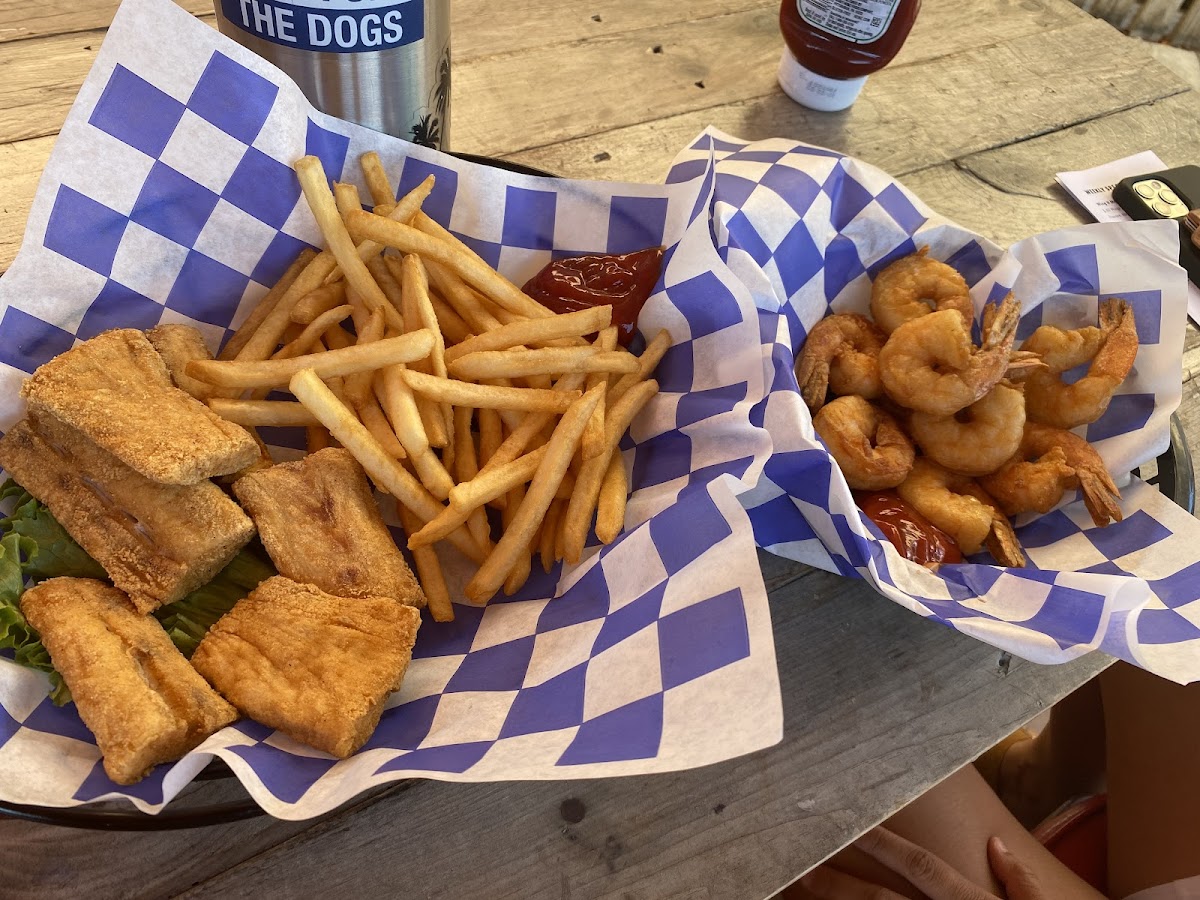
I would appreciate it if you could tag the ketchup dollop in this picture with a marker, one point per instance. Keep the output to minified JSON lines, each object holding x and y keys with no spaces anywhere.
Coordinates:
{"x":909,"y":531}
{"x":579,"y":282}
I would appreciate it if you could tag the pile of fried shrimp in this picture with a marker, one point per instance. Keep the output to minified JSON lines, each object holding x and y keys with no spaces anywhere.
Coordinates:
{"x":966,"y":434}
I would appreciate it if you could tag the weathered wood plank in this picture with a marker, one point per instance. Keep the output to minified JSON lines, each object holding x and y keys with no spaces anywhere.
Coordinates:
{"x":876,"y":702}
{"x":20,"y":168}
{"x":22,"y":19}
{"x":1049,"y":81}
{"x":734,"y":56}
{"x":61,"y":862}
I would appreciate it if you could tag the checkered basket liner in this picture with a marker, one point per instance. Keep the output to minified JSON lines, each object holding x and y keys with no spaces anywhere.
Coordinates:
{"x":170,"y":198}
{"x":806,"y":229}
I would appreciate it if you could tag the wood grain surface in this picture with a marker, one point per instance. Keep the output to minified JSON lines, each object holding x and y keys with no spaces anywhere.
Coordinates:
{"x":987,"y":100}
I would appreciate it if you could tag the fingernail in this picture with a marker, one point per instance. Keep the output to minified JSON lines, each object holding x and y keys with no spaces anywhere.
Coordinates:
{"x":1000,"y":846}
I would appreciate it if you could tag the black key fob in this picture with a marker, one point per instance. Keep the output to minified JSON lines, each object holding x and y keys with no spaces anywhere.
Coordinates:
{"x":1170,"y":194}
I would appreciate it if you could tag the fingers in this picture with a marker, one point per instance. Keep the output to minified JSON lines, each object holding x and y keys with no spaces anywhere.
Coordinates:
{"x":1018,"y":879}
{"x":923,"y":869}
{"x":827,"y":883}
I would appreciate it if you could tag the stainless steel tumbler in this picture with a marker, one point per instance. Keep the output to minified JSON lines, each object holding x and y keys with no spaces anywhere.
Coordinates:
{"x":384,"y":64}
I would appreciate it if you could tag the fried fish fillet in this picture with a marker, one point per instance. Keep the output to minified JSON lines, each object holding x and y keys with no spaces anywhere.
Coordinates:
{"x":133,"y":689}
{"x":158,"y":542}
{"x":116,"y":390}
{"x":318,"y":520}
{"x":178,"y":345}
{"x":314,"y":666}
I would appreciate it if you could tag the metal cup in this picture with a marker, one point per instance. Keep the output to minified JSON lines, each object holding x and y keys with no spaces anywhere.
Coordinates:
{"x":384,"y":64}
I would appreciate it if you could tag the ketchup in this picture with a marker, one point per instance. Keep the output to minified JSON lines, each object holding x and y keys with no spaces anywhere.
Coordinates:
{"x":910,"y":532}
{"x":833,"y":45}
{"x":579,"y":282}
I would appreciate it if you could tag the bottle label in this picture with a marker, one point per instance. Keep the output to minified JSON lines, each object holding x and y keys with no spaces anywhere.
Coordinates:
{"x":857,"y":21}
{"x":333,"y":26}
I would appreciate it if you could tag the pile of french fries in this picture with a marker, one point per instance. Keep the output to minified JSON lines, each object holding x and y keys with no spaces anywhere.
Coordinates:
{"x":455,"y":391}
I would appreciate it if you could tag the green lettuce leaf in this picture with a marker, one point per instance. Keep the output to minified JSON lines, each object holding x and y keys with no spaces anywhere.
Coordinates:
{"x":16,"y":634}
{"x":53,"y":552}
{"x":188,"y":620}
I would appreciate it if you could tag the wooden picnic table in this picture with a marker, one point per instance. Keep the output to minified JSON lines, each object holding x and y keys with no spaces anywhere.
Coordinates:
{"x":987,"y":100}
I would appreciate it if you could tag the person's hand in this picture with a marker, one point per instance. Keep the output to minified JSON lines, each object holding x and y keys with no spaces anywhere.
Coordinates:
{"x":930,"y":874}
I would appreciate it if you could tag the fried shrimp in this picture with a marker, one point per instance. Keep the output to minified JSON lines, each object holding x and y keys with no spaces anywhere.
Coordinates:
{"x":930,"y":364}
{"x":869,"y":445}
{"x":962,"y":509}
{"x":842,"y":352}
{"x":1048,"y":463}
{"x":1111,"y":348}
{"x":977,"y":439}
{"x":916,"y":286}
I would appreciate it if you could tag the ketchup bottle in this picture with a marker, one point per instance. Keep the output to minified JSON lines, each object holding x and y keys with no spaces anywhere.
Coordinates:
{"x":833,"y":45}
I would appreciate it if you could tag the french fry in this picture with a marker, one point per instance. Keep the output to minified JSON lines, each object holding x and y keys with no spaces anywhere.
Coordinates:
{"x":491,"y":435}
{"x":549,"y":530}
{"x":344,"y":361}
{"x":280,"y":413}
{"x":314,"y":303}
{"x":535,"y":331}
{"x":385,"y":471}
{"x":587,"y":485}
{"x":529,"y":428}
{"x":415,"y":287}
{"x":519,"y":573}
{"x":593,"y":436}
{"x":518,"y":363}
{"x":260,"y":312}
{"x":266,"y":337}
{"x":358,"y":385}
{"x":429,"y":572}
{"x":610,"y":509}
{"x":453,"y":254}
{"x":451,"y":323}
{"x":346,"y":197}
{"x":466,"y":467}
{"x":316,"y":437}
{"x":377,"y":181}
{"x":383,"y":276}
{"x":337,"y":338}
{"x":309,"y":335}
{"x":472,"y":495}
{"x":402,"y":411}
{"x":647,"y":363}
{"x":403,"y":211}
{"x":461,"y":298}
{"x":525,"y":521}
{"x":460,"y":393}
{"x":311,"y":173}
{"x":376,"y":422}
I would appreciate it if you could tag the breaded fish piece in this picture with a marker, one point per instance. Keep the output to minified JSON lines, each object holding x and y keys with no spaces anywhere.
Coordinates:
{"x":134,"y":690}
{"x":320,"y":525}
{"x":178,"y":345}
{"x":314,"y":666}
{"x":158,"y":542}
{"x":116,"y":390}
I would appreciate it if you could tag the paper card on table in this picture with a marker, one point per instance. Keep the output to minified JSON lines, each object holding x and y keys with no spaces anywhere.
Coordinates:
{"x":806,"y":229}
{"x":170,"y":198}
{"x":1092,"y":189}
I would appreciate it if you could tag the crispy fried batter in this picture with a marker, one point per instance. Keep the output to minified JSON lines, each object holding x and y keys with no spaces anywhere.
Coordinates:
{"x":317,"y":667}
{"x":132,"y":687}
{"x":320,"y":525}
{"x":178,"y":345}
{"x":116,"y":390}
{"x":156,"y":541}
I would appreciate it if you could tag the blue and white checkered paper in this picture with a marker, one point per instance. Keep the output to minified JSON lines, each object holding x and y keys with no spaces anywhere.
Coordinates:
{"x":170,"y":198}
{"x":806,"y":229}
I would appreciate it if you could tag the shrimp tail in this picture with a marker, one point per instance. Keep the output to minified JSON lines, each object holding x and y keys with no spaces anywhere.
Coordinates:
{"x":1000,"y":324}
{"x":1002,"y":543}
{"x":812,"y":374}
{"x":1022,"y":362}
{"x":1100,"y":496}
